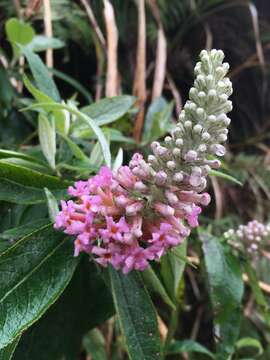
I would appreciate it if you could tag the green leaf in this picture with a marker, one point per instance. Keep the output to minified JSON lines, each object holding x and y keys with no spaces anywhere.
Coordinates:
{"x":84,"y":304}
{"x":61,"y":118}
{"x":26,"y":164}
{"x":157,"y":119}
{"x":152,"y":280}
{"x":188,"y":346}
{"x":118,"y":161}
{"x":172,"y":268}
{"x":47,"y":138}
{"x":31,"y":178}
{"x":17,"y":193}
{"x":225,"y":176}
{"x":42,"y":43}
{"x":14,"y":154}
{"x":44,"y":267}
{"x":41,"y":74}
{"x":98,"y":132}
{"x":226,"y":291}
{"x":256,"y":290}
{"x":18,"y":32}
{"x":52,"y":205}
{"x":249,"y":342}
{"x":108,"y":110}
{"x":96,"y":158}
{"x":75,"y":149}
{"x":94,"y":344}
{"x":23,"y":230}
{"x":7,"y":352}
{"x":137,"y":316}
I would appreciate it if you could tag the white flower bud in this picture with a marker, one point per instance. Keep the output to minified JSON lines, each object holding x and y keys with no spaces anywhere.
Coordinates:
{"x":179,"y":142}
{"x":206,"y":136}
{"x":197,"y":129}
{"x":168,"y":139}
{"x":191,"y":155}
{"x":188,"y":124}
{"x":171,"y":165}
{"x":178,"y":177}
{"x":202,"y":148}
{"x":176,"y":152}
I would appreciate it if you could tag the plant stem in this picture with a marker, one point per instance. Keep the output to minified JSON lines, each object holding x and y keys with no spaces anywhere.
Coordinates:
{"x":171,"y":330}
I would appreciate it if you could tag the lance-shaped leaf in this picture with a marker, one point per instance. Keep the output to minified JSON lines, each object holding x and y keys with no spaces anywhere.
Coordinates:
{"x":33,"y":274}
{"x":137,"y":316}
{"x":47,"y":137}
{"x":7,"y":352}
{"x":85,"y":303}
{"x":41,"y":74}
{"x":226,"y":291}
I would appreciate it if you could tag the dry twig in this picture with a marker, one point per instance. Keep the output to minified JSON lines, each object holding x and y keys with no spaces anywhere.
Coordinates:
{"x":139,"y":88}
{"x":48,"y":30}
{"x":112,"y":85}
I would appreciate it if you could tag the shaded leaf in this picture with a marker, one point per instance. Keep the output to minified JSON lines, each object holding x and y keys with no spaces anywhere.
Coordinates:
{"x":17,"y":193}
{"x":188,"y":346}
{"x":108,"y":110}
{"x":7,"y":352}
{"x":44,"y":266}
{"x":85,"y":303}
{"x":137,"y":316}
{"x":94,"y":344}
{"x":226,"y":291}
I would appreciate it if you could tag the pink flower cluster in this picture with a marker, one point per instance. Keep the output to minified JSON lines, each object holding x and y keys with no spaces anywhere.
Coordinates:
{"x":114,"y":218}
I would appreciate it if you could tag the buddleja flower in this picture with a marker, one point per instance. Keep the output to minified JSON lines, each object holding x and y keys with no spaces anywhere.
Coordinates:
{"x":138,"y":213}
{"x":250,"y":238}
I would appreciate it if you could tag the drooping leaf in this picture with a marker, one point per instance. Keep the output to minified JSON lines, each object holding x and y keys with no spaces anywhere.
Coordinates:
{"x":42,"y":43}
{"x":7,"y":352}
{"x":85,"y":303}
{"x":47,"y":138}
{"x":41,"y":74}
{"x":249,"y":342}
{"x":33,"y":274}
{"x":108,"y":110}
{"x":137,"y":316}
{"x":189,"y":346}
{"x":225,"y":176}
{"x":61,"y":116}
{"x":226,"y":291}
{"x":92,"y":125}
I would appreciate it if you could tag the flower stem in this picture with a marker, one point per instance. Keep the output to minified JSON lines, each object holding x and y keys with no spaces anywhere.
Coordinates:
{"x":171,"y":330}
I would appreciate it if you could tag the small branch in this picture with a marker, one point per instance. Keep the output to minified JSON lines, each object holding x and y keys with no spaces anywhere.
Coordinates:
{"x":94,"y":24}
{"x":160,"y":68}
{"x":139,"y":88}
{"x":161,"y":53}
{"x":112,"y":85}
{"x":175,"y":93}
{"x":48,"y":30}
{"x":33,"y":7}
